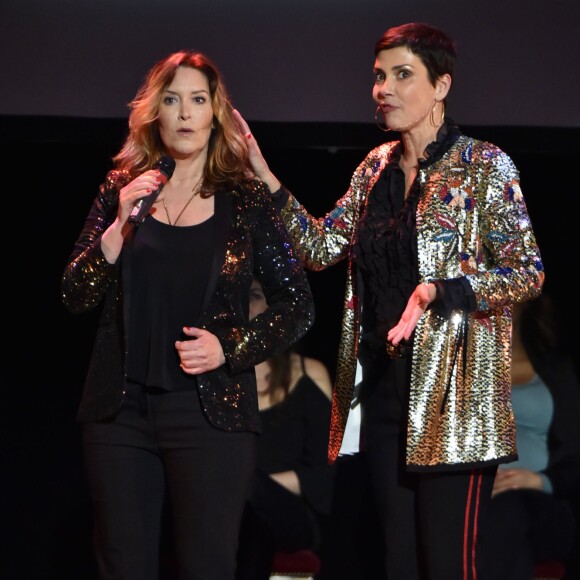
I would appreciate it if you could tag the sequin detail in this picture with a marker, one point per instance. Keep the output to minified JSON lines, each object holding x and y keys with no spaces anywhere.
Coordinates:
{"x":472,"y":222}
{"x":251,"y":240}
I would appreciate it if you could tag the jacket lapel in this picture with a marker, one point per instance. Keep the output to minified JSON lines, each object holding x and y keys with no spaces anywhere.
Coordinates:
{"x":223,"y":211}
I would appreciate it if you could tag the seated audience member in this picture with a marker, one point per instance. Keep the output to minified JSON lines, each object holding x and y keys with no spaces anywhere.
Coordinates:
{"x":291,"y":491}
{"x":530,"y":519}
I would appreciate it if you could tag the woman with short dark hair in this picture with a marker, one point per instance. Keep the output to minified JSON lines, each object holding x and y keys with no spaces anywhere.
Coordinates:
{"x":439,"y":247}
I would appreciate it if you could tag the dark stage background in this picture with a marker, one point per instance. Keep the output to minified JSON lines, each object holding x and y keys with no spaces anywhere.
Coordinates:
{"x":289,"y":60}
{"x":50,"y":179}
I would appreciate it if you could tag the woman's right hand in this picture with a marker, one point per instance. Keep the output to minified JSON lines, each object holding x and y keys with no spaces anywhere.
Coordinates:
{"x":141,"y":186}
{"x":421,"y":297}
{"x":259,"y":164}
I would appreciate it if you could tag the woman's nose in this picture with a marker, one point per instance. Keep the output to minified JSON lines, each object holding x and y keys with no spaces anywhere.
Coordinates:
{"x":385,"y":88}
{"x":184,"y":114}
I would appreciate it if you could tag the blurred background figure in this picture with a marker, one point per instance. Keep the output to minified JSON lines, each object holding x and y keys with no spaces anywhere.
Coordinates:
{"x":530,"y":518}
{"x":291,"y":490}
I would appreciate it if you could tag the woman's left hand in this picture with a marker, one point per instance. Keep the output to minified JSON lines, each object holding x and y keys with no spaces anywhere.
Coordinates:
{"x":201,"y":354}
{"x":422,"y":296}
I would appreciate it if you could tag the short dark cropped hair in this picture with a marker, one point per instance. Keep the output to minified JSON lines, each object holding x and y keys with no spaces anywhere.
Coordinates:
{"x":435,"y":48}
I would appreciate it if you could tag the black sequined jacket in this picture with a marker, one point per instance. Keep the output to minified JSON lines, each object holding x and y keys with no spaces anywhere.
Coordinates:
{"x":250,"y":240}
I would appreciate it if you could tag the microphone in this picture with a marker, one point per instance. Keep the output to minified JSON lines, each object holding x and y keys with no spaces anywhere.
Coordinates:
{"x":166,"y":166}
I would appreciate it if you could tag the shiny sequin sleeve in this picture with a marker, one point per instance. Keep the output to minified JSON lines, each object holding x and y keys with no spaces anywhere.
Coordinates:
{"x":87,"y":275}
{"x":507,"y":242}
{"x":290,"y":312}
{"x":474,"y":207}
{"x":325,"y":241}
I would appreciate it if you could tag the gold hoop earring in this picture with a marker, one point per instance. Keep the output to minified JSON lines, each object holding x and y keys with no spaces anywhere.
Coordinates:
{"x":382,"y":126}
{"x":432,"y":115}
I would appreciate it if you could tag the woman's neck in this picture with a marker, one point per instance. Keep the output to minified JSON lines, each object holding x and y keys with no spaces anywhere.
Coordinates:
{"x":265,"y":395}
{"x":263,"y":377}
{"x":415,"y":143}
{"x":268,"y":397}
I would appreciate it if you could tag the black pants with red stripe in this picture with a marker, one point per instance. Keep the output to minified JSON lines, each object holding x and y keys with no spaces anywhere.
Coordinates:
{"x":430,"y":521}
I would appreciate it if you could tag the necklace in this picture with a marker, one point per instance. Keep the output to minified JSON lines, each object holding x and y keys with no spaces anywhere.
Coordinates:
{"x":196,"y":189}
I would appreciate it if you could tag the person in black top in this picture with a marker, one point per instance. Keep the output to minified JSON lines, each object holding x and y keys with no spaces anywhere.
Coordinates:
{"x":291,"y":490}
{"x":170,"y":406}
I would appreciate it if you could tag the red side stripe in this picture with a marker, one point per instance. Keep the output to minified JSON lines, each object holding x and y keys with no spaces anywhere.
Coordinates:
{"x":475,"y":522}
{"x":466,"y":528}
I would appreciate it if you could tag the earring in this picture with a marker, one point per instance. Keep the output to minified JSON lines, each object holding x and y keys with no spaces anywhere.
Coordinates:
{"x":432,"y":115}
{"x":380,"y":125}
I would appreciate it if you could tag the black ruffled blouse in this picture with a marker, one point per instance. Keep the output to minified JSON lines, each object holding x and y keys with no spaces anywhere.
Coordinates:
{"x":386,"y":251}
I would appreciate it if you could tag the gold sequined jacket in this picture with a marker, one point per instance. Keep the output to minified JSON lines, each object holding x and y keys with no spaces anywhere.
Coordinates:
{"x":472,"y":222}
{"x":250,"y":239}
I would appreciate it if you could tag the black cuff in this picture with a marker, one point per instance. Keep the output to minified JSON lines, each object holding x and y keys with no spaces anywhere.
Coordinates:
{"x":276,"y":194}
{"x":280,"y":198}
{"x":454,"y":294}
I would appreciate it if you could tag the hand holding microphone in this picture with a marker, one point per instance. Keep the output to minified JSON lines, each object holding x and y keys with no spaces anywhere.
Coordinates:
{"x":166,"y":165}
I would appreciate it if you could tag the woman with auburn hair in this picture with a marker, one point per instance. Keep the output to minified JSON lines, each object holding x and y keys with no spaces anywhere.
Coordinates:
{"x":168,"y":252}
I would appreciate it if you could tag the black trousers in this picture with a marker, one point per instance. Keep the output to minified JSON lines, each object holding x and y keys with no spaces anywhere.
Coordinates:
{"x":431,"y":521}
{"x":524,"y":527}
{"x":161,"y":446}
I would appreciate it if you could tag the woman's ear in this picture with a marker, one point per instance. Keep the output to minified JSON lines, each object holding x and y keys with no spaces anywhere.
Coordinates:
{"x":442,"y":86}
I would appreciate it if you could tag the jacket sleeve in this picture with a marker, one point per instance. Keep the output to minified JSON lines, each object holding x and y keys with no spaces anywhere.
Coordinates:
{"x":510,"y":268}
{"x":87,"y":274}
{"x":290,"y":312}
{"x":322,"y":242}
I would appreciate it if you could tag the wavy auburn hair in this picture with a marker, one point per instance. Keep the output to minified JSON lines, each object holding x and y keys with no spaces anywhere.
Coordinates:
{"x":227,"y":159}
